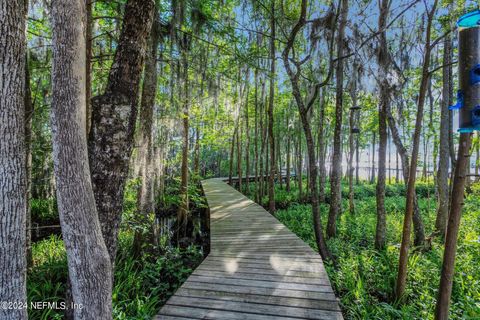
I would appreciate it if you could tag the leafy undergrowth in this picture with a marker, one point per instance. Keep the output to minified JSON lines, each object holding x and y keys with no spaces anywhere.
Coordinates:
{"x":141,"y":285}
{"x":364,"y":279}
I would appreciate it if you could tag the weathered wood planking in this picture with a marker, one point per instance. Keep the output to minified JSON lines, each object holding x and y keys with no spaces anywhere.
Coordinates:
{"x":257,"y":269}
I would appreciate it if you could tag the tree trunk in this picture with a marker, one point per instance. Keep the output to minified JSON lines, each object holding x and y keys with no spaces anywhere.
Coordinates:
{"x":13,"y":199}
{"x":312,"y":167}
{"x":336,"y":175}
{"x":444,"y":155}
{"x":271,"y":137}
{"x":448,"y":266}
{"x":114,"y":115}
{"x":411,"y":196}
{"x":287,"y":177}
{"x":383,"y":62}
{"x":257,"y":182}
{"x":183,"y":210}
{"x":89,"y":263}
{"x":419,"y":229}
{"x":351,"y":139}
{"x":146,"y":205}
{"x":321,"y":147}
{"x":262,"y":146}
{"x":299,"y":167}
{"x":239,"y":155}
{"x":373,"y":172}
{"x":247,"y":135}
{"x":88,"y":63}
{"x":232,"y":150}
{"x":29,"y":107}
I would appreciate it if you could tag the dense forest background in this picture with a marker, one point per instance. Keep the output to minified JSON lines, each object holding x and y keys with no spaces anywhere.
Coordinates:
{"x":338,"y":111}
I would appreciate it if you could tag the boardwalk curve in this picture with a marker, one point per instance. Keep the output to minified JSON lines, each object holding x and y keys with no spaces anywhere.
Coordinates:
{"x":257,"y":269}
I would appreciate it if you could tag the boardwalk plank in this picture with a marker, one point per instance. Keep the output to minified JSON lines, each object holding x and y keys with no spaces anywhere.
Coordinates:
{"x":257,"y":269}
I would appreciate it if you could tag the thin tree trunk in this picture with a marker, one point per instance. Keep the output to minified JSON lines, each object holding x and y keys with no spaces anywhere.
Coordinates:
{"x":183,"y":210}
{"x":357,"y":160}
{"x":456,"y":205}
{"x":239,"y":156}
{"x":411,"y":196}
{"x":232,"y":150}
{"x":247,"y":135}
{"x":299,"y":167}
{"x":351,"y":140}
{"x":262,"y":146}
{"x":287,"y":178}
{"x":89,"y":265}
{"x":257,"y":182}
{"x":13,"y":192}
{"x":419,"y":229}
{"x":383,"y":61}
{"x":29,"y":107}
{"x":373,"y":172}
{"x":114,"y":115}
{"x":336,"y":175}
{"x":271,"y":137}
{"x":321,"y":147}
{"x":305,"y":119}
{"x":444,"y":155}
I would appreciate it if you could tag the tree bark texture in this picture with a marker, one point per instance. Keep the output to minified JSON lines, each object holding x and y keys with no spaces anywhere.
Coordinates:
{"x":114,"y":114}
{"x":13,"y":200}
{"x":444,"y":154}
{"x":89,"y":264}
{"x":146,"y":203}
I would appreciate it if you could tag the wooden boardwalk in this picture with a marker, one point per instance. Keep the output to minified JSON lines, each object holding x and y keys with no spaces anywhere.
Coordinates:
{"x":257,"y":269}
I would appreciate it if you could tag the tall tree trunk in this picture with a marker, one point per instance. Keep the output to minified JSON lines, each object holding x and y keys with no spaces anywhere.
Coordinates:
{"x":114,"y":115}
{"x":239,"y":155}
{"x":397,"y":167}
{"x":444,"y":155}
{"x":232,"y":150}
{"x":357,"y":160}
{"x":374,"y":170}
{"x":29,"y":107}
{"x":196,"y":153}
{"x":299,"y":167}
{"x":448,"y":266}
{"x":146,"y":205}
{"x":247,"y":134}
{"x":88,"y":63}
{"x":289,"y":139}
{"x":419,"y":229}
{"x":403,"y":260}
{"x":183,"y":210}
{"x":257,"y":181}
{"x":262,"y":145}
{"x":336,"y":175}
{"x":351,"y":139}
{"x":303,"y":110}
{"x":89,"y":265}
{"x":383,"y":62}
{"x":13,"y":200}
{"x":321,"y":146}
{"x":271,"y":137}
